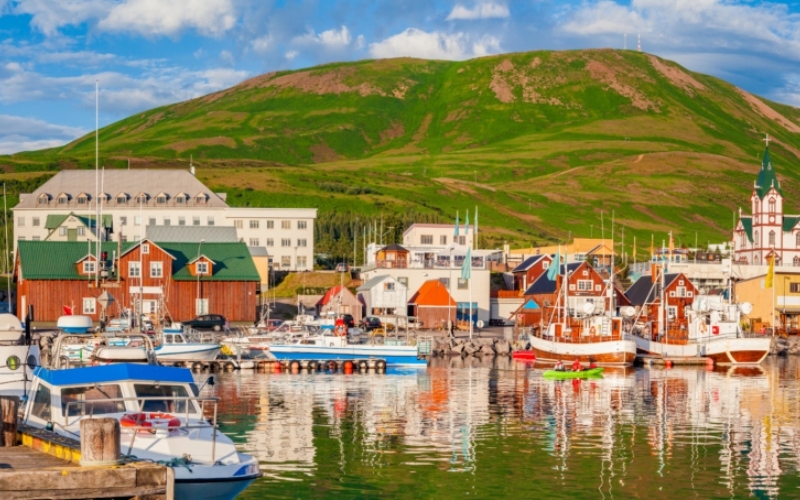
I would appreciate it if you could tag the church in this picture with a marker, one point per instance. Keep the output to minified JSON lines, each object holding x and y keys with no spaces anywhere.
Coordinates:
{"x":768,"y":231}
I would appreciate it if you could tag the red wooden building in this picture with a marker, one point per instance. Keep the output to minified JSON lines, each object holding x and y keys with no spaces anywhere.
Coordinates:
{"x":163,"y":280}
{"x":530,"y":270}
{"x":678,"y":290}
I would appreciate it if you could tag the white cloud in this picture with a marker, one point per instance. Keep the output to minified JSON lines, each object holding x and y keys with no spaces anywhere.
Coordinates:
{"x":18,"y":133}
{"x":159,"y":17}
{"x":262,"y":44}
{"x":331,"y":39}
{"x":482,"y":10}
{"x":434,"y":45}
{"x":226,"y":57}
{"x":48,"y":16}
{"x":291,"y":54}
{"x":199,"y":53}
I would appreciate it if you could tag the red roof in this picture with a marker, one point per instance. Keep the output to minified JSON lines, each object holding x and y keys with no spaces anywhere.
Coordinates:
{"x":433,"y":293}
{"x":330,"y":294}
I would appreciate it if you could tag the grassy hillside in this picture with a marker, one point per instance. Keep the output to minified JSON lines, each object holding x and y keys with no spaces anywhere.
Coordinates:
{"x":542,"y":142}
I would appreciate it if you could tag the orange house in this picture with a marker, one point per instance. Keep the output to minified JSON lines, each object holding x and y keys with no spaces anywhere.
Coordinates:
{"x":433,"y":305}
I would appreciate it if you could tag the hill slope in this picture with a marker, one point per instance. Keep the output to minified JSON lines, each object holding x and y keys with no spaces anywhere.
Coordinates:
{"x":541,"y":141}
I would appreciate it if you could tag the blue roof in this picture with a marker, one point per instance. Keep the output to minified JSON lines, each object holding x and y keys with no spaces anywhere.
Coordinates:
{"x":528,"y":263}
{"x":115,"y":373}
{"x":545,"y":285}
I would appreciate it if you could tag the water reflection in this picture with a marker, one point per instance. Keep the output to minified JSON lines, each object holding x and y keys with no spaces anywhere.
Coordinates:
{"x":496,"y":428}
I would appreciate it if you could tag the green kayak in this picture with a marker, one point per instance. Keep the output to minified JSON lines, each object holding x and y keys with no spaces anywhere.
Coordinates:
{"x":556,"y":375}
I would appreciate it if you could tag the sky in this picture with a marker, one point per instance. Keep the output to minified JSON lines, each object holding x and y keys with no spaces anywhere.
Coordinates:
{"x":147,"y":53}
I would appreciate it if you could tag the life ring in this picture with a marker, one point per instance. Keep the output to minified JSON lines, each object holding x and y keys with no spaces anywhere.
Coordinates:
{"x":592,"y":331}
{"x":340,"y":330}
{"x":149,"y":420}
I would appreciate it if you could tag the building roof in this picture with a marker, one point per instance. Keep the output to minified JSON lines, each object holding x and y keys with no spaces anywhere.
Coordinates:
{"x":642,"y":292}
{"x":543,"y":284}
{"x":789,"y":222}
{"x":766,"y":177}
{"x":54,"y":221}
{"x":432,"y":226}
{"x":747,"y":224}
{"x":192,"y":234}
{"x":372,"y":282}
{"x":333,"y":292}
{"x":528,"y":263}
{"x":258,"y":251}
{"x":394,"y":247}
{"x":578,"y":246}
{"x":118,"y":372}
{"x":129,"y":182}
{"x":51,"y":260}
{"x":433,"y":293}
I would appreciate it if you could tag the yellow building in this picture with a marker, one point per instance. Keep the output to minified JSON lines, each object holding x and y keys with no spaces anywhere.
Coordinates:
{"x":786,"y":301}
{"x":595,"y":250}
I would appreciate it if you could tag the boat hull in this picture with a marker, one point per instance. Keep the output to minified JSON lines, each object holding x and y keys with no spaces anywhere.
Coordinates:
{"x":187,"y":352}
{"x":217,"y":482}
{"x":17,"y":382}
{"x":730,"y":351}
{"x":394,"y":355}
{"x":608,"y":353}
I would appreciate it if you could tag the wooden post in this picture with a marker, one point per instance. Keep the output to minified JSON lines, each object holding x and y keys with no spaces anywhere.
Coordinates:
{"x":9,"y":407}
{"x":100,"y":441}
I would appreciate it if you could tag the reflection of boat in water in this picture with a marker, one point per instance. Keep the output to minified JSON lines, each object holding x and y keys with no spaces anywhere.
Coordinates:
{"x":567,"y":374}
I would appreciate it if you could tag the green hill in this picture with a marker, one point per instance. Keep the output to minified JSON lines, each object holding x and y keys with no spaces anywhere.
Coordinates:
{"x":542,"y":142}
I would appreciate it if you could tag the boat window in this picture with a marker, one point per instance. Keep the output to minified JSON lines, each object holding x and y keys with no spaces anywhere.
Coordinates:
{"x":168,"y":339}
{"x":98,"y":395}
{"x":178,"y":339}
{"x":41,"y":403}
{"x":166,"y":392}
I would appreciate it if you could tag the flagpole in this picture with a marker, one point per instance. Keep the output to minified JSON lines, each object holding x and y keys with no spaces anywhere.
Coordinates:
{"x":470,"y":300}
{"x":772,"y":282}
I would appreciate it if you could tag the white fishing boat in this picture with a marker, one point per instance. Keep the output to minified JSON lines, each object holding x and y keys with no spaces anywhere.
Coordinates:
{"x":18,"y":358}
{"x":162,"y":418}
{"x":326,"y":346}
{"x":176,"y":346}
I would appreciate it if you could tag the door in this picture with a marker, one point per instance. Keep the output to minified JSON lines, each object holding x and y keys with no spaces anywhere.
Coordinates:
{"x":72,"y":234}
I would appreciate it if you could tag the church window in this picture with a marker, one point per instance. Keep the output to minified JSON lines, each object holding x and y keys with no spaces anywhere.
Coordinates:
{"x":796,"y":262}
{"x":743,"y":239}
{"x":772,"y":205}
{"x":756,"y":240}
{"x":772,"y":237}
{"x":797,"y":239}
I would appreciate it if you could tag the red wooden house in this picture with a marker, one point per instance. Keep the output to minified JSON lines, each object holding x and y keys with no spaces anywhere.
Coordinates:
{"x":163,"y":280}
{"x":530,"y":270}
{"x":678,"y":290}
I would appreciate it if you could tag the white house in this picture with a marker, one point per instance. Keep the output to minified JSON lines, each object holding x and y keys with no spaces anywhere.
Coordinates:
{"x":768,"y":231}
{"x":384,"y":295}
{"x":437,"y":235}
{"x":66,"y":208}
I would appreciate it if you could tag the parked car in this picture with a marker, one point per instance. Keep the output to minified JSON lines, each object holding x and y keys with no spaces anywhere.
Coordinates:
{"x":207,"y":322}
{"x":342,"y":267}
{"x":349,"y":320}
{"x":370,"y":323}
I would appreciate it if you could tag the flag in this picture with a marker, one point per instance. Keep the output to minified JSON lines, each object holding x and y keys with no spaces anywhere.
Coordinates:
{"x":466,"y":266}
{"x":770,"y":274}
{"x":67,"y":310}
{"x":466,"y":225}
{"x":552,"y":271}
{"x":456,"y":234}
{"x":634,"y":249}
{"x":652,"y":245}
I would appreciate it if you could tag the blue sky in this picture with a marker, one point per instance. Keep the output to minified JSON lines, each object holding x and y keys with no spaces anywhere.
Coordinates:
{"x":147,"y":53}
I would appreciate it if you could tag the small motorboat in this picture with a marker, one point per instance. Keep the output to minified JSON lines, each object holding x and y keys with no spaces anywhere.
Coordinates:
{"x":176,"y":346}
{"x":565,"y":375}
{"x":524,"y":355}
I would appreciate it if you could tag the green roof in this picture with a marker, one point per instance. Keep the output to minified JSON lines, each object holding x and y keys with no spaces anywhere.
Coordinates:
{"x":56,"y":259}
{"x":789,"y":221}
{"x":747,"y":223}
{"x":767,"y":178}
{"x":55,"y":220}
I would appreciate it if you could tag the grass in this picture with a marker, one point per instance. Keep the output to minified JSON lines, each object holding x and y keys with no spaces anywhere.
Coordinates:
{"x":289,"y":286}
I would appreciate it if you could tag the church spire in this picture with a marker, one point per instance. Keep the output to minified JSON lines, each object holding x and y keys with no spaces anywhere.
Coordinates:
{"x":767,"y":178}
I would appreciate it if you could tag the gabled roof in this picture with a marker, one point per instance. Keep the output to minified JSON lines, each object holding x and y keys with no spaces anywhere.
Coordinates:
{"x":136,"y":244}
{"x":766,"y":177}
{"x":201,"y":257}
{"x":433,"y":293}
{"x":789,"y":222}
{"x":394,"y":247}
{"x":747,"y":224}
{"x":331,"y":293}
{"x":54,"y":221}
{"x":192,"y":234}
{"x":372,"y":282}
{"x":642,"y":291}
{"x":528,"y":263}
{"x":543,"y":284}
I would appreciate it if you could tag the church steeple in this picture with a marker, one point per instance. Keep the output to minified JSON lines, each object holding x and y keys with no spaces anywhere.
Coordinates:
{"x":767,"y":178}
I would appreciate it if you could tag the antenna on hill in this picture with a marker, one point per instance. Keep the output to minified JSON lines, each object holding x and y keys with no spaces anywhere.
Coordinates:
{"x":625,"y":41}
{"x":639,"y":42}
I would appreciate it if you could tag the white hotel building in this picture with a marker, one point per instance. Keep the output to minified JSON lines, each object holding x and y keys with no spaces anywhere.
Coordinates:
{"x":64,"y":208}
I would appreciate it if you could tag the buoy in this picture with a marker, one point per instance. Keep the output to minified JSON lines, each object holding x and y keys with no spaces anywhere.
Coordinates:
{"x":197,"y":366}
{"x":362,"y":365}
{"x":347,"y":367}
{"x":312,"y":366}
{"x":230,"y":366}
{"x":668,"y":363}
{"x":333,"y":366}
{"x":710,"y":364}
{"x":294,"y":366}
{"x":380,"y":365}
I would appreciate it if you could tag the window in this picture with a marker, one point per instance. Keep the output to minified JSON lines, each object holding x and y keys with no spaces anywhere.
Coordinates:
{"x":545,"y":265}
{"x":270,"y":224}
{"x":201,"y":306}
{"x":598,"y":288}
{"x":301,"y":224}
{"x":286,"y":242}
{"x":200,"y":199}
{"x":21,"y":223}
{"x":195,"y":221}
{"x":161,"y":199}
{"x":254,"y":242}
{"x":43,"y":199}
{"x":796,"y":261}
{"x":156,"y":270}
{"x":123,"y":221}
{"x":403,"y":281}
{"x":302,"y":261}
{"x":62,"y":231}
{"x":585,"y":285}
{"x":137,"y":221}
{"x":426,"y":239}
{"x":167,"y":221}
{"x":202,"y":267}
{"x":81,"y":231}
{"x":388,"y":286}
{"x":772,"y":237}
{"x":165,"y":398}
{"x":443,"y":281}
{"x":238,"y":224}
{"x":286,"y":261}
{"x":88,"y":305}
{"x":145,"y":248}
{"x":270,"y":242}
{"x":35,"y":222}
{"x":794,"y":287}
{"x":181,"y":221}
{"x":772,"y":205}
{"x":672,"y":293}
{"x":443,"y":240}
{"x":82,"y":199}
{"x":63,"y":200}
{"x":743,"y":239}
{"x":211,"y":221}
{"x":286,"y":224}
{"x":302,"y":243}
{"x":797,"y":239}
{"x":463,"y":284}
{"x":462,"y":240}
{"x":151,"y":221}
{"x":134,"y":269}
{"x":88,"y":267}
{"x":672,"y":311}
{"x":253,"y":224}
{"x":681,"y":291}
{"x":122,"y":200}
{"x":98,"y":397}
{"x":180,"y":199}
{"x":41,"y":403}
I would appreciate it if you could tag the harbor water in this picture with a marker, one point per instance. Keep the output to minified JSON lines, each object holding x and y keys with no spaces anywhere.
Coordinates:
{"x":496,"y":429}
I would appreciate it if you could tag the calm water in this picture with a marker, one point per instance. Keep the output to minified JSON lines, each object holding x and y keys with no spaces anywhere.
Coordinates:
{"x":498,"y":430}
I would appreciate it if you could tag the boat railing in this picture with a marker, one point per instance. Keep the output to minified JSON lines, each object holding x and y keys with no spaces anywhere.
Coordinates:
{"x":201,"y":423}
